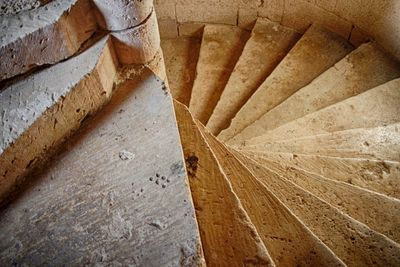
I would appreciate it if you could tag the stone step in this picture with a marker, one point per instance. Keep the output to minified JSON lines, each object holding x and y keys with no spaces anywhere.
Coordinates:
{"x":316,"y":51}
{"x":377,"y":211}
{"x":374,"y":143}
{"x":267,"y":46}
{"x":44,"y":35}
{"x":40,"y":111}
{"x":375,"y":175}
{"x":181,"y":55}
{"x":220,"y":49}
{"x":227,"y":234}
{"x":117,"y":195}
{"x":353,"y":242}
{"x":288,"y":240}
{"x":377,"y":107}
{"x":363,"y":69}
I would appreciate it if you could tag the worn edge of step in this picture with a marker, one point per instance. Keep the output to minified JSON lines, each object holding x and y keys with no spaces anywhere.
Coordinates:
{"x":220,"y":49}
{"x":379,"y":212}
{"x":228,"y":239}
{"x":44,"y":35}
{"x":363,"y":69}
{"x":268,"y":44}
{"x":316,"y":51}
{"x":287,"y":239}
{"x":58,"y":98}
{"x":352,"y":241}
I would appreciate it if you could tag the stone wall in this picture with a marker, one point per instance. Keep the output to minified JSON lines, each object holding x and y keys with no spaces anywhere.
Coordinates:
{"x":356,"y":20}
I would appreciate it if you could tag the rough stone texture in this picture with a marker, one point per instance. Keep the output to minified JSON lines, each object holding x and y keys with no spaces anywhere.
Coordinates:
{"x":120,"y":15}
{"x":376,"y":175}
{"x":363,"y":69}
{"x":44,"y":35}
{"x":379,"y":212}
{"x":316,"y":51}
{"x":228,"y":236}
{"x":376,"y":107}
{"x":353,"y":242}
{"x":381,"y":143}
{"x":138,"y":45}
{"x":37,"y":113}
{"x":11,"y":7}
{"x":181,"y":55}
{"x":220,"y":49}
{"x":95,"y":206}
{"x":268,"y":45}
{"x":288,"y":240}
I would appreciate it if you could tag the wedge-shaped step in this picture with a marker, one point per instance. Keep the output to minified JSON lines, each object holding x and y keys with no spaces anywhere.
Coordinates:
{"x":353,"y":242}
{"x":289,"y":241}
{"x":373,"y":143}
{"x":44,"y":35}
{"x":377,"y":211}
{"x":376,"y":107}
{"x":37,"y":113}
{"x":118,"y":195}
{"x":220,"y":49}
{"x":267,"y":46}
{"x":376,"y":175}
{"x":313,"y":54}
{"x":181,"y":55}
{"x":229,"y":238}
{"x":363,"y":69}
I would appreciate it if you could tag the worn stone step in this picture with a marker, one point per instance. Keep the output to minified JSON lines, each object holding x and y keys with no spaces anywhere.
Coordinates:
{"x":287,"y":239}
{"x":181,"y":55}
{"x":363,"y":69}
{"x":374,"y":143}
{"x":220,"y":49}
{"x":377,"y":107}
{"x":267,"y":46}
{"x":39,"y":112}
{"x":375,"y":175}
{"x":316,"y":51}
{"x":229,"y":237}
{"x":353,"y":242}
{"x":117,"y":195}
{"x":377,"y":211}
{"x":44,"y":35}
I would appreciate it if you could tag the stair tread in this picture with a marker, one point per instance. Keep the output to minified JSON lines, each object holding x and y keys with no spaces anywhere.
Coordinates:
{"x":363,"y":69}
{"x":96,"y":201}
{"x":267,"y":46}
{"x":316,"y":51}
{"x":377,"y":211}
{"x":227,"y":234}
{"x":287,"y":239}
{"x":181,"y":56}
{"x":353,"y":242}
{"x":220,"y":49}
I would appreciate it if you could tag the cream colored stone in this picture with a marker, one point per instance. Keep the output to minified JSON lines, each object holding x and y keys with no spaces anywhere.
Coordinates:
{"x":220,"y":49}
{"x":191,"y":29}
{"x":267,"y":46}
{"x":271,"y":9}
{"x":168,"y":28}
{"x":314,"y":53}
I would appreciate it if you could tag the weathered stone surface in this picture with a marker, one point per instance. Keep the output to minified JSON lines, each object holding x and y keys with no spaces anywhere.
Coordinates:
{"x":379,"y":212}
{"x":363,"y":69}
{"x":353,"y":242}
{"x":316,"y":51}
{"x":287,"y":239}
{"x":267,"y":46}
{"x":38,"y":112}
{"x":44,"y":35}
{"x":9,"y":7}
{"x":118,"y":195}
{"x":229,"y":238}
{"x":181,"y":55}
{"x":220,"y":49}
{"x":376,"y":107}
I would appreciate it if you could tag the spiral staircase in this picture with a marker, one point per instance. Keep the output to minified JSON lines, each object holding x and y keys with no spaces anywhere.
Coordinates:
{"x":263,"y":147}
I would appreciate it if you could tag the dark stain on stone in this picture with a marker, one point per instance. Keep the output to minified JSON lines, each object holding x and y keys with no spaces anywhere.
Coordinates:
{"x":191,"y":165}
{"x":177,"y":168}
